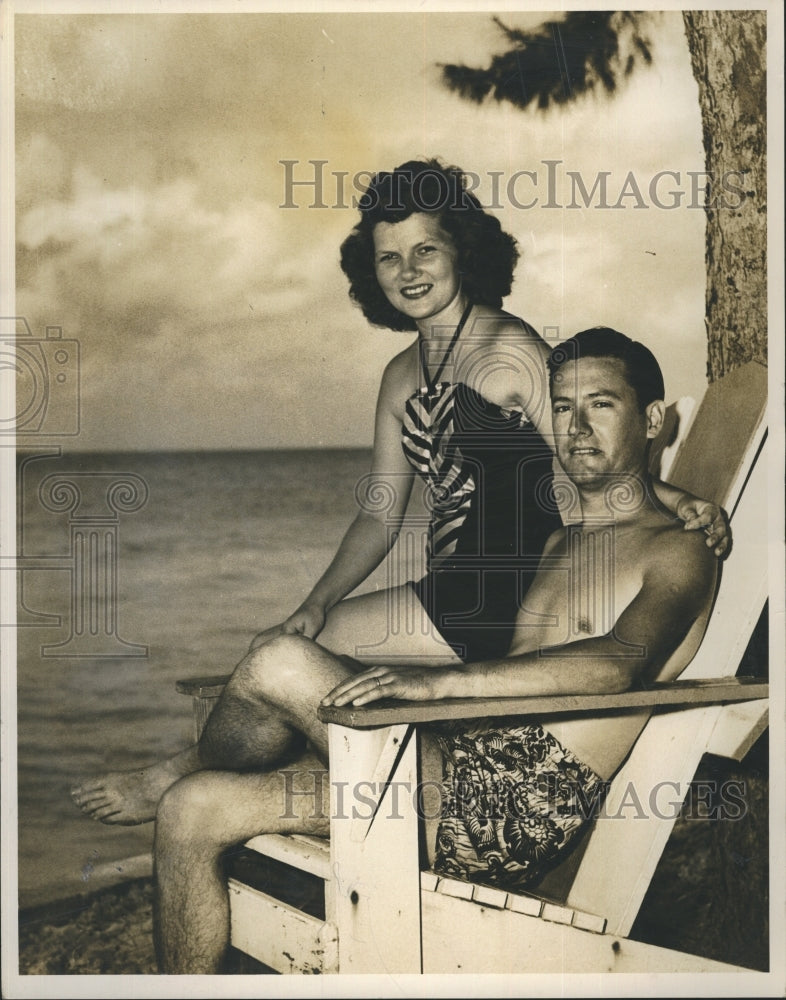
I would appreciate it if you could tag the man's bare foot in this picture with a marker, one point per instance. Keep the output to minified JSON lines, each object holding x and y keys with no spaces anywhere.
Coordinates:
{"x":127,"y":798}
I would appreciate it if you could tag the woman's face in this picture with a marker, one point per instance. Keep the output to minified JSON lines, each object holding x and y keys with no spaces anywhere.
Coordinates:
{"x":416,"y":264}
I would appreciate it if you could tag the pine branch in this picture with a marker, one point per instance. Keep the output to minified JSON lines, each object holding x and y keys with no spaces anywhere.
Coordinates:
{"x":558,"y":61}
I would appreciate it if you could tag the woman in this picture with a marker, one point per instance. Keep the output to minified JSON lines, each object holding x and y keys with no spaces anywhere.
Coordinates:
{"x":465,"y":407}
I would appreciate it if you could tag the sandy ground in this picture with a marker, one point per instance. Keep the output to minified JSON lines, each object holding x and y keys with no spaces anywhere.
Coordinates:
{"x":110,"y":932}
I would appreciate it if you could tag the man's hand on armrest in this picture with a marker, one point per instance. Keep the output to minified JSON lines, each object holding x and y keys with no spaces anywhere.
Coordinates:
{"x":599,"y":668}
{"x":404,"y":683}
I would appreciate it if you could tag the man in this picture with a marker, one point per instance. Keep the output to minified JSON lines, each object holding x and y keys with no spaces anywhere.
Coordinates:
{"x":620,"y":598}
{"x":617,"y":595}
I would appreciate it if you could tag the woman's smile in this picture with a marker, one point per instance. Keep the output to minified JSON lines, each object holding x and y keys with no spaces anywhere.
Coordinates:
{"x":416,"y":264}
{"x":416,"y":291}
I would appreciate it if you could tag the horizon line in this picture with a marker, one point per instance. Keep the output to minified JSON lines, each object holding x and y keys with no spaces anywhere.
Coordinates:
{"x":31,"y":449}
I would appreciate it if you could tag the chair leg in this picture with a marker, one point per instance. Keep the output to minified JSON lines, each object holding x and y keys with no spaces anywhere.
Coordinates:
{"x":374,"y":849}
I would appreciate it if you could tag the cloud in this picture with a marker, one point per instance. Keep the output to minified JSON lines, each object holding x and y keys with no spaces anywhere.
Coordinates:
{"x":163,"y":251}
{"x":149,"y":226}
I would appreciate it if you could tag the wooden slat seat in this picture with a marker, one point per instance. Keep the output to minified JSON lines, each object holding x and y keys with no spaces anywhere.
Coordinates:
{"x":309,"y":854}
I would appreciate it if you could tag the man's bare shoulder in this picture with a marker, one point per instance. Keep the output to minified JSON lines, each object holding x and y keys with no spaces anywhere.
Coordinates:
{"x":683,"y":557}
{"x":657,"y":550}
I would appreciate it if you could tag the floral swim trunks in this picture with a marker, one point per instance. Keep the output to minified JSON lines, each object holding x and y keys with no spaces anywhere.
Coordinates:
{"x":514,"y":799}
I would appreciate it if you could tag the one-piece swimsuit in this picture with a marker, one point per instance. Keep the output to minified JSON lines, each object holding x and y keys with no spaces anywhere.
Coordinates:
{"x":490,"y":477}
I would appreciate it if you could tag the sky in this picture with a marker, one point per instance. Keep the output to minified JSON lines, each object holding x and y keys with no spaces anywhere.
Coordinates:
{"x":150,"y":226}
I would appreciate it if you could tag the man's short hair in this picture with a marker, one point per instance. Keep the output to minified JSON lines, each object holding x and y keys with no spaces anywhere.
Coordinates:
{"x":641,"y":367}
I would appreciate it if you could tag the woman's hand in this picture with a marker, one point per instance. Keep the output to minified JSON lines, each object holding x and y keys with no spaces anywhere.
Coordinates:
{"x":308,"y":620}
{"x":405,"y":683}
{"x":697,"y":513}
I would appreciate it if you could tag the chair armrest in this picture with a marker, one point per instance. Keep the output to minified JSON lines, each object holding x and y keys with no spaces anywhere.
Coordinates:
{"x":202,"y":687}
{"x":205,"y":692}
{"x":716,"y":691}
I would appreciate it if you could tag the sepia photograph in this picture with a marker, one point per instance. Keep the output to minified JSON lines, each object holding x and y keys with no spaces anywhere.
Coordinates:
{"x":392,"y":443}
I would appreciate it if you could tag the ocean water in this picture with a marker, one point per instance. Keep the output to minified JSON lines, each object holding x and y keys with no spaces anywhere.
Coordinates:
{"x":224,"y":545}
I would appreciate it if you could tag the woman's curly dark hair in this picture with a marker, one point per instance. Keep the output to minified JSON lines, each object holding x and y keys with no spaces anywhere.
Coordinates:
{"x":486,"y":254}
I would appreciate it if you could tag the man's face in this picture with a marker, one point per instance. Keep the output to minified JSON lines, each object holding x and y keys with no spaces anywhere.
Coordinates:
{"x":599,"y":429}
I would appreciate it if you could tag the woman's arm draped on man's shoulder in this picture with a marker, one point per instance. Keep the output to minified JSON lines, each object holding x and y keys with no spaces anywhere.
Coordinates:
{"x":696,"y":513}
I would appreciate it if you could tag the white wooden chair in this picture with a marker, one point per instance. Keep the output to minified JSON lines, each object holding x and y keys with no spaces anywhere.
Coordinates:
{"x":383,"y":914}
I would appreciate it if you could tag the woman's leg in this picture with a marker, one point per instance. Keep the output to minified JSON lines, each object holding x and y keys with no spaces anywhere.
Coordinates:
{"x":386,"y":626}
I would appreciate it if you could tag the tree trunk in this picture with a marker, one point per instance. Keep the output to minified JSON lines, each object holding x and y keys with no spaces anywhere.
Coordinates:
{"x":728,"y":50}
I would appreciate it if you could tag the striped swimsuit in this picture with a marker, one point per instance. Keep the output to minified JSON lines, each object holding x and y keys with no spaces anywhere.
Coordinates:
{"x":489,"y":474}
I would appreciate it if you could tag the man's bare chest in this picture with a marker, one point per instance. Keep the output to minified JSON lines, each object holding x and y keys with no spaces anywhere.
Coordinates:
{"x":581,"y":589}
